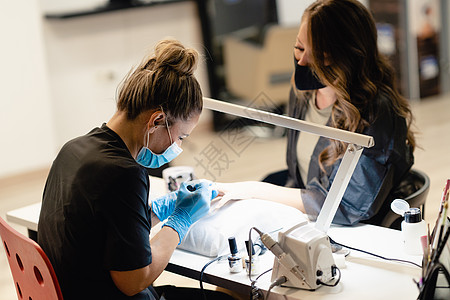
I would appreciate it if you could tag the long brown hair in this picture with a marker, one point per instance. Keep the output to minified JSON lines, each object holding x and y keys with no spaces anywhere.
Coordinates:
{"x":342,"y":33}
{"x":164,"y":81}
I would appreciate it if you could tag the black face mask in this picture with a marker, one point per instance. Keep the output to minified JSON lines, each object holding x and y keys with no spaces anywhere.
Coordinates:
{"x":305,"y":79}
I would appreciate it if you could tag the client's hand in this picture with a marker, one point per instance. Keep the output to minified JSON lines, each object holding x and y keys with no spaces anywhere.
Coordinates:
{"x":259,"y":190}
{"x":193,"y":202}
{"x":235,"y":191}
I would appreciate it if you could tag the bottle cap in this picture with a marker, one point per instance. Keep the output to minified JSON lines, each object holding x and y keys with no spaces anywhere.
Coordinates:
{"x":233,"y":246}
{"x":249,"y":247}
{"x":400,"y":206}
{"x":413,"y":215}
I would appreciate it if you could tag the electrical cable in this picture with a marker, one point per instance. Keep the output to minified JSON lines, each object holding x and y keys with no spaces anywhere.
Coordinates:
{"x":255,"y":289}
{"x":250,"y":254}
{"x":224,"y":256}
{"x":203,"y":270}
{"x":266,"y":271}
{"x":275,"y":248}
{"x":255,"y":292}
{"x":376,"y":255}
{"x":337,"y":280}
{"x":279,"y":281}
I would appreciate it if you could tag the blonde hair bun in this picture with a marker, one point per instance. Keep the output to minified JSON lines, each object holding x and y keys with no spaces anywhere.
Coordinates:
{"x":164,"y":80}
{"x":171,"y":53}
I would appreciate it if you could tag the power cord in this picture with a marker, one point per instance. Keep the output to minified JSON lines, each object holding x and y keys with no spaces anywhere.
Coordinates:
{"x":279,"y":281}
{"x":255,"y":289}
{"x":333,"y":270}
{"x":203,"y":271}
{"x":376,"y":255}
{"x":255,"y":292}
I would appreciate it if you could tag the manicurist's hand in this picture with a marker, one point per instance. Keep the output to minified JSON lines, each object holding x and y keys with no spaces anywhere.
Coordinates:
{"x":193,"y":202}
{"x":164,"y":206}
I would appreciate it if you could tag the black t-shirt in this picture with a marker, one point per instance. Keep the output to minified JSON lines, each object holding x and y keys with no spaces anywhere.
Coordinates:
{"x":95,"y":216}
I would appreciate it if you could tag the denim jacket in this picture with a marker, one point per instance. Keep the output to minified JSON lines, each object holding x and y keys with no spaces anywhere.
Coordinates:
{"x":379,"y":168}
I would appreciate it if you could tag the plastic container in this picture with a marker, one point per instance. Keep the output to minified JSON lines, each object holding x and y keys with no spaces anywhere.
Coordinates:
{"x":413,"y":227}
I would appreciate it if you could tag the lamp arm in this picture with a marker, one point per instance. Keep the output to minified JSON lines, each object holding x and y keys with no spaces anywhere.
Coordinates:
{"x":338,"y":187}
{"x":288,"y":122}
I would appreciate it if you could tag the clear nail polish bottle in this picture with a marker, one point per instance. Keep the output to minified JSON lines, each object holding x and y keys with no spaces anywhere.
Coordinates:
{"x":234,"y":260}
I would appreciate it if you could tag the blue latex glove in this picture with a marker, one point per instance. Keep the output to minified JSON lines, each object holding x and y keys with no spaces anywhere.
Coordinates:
{"x":163,"y":206}
{"x":193,"y":202}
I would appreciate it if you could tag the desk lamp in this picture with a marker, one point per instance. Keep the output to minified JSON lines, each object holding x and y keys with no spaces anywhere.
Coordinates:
{"x":303,"y":252}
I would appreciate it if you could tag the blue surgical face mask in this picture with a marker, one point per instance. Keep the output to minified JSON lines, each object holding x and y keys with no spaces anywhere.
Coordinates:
{"x":148,"y":159}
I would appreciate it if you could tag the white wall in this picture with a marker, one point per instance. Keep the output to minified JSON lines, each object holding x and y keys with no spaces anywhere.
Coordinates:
{"x":26,"y":121}
{"x":58,"y":78}
{"x":88,"y":57}
{"x":290,"y":11}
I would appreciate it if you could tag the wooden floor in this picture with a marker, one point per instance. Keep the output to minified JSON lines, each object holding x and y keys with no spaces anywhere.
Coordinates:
{"x":250,"y":158}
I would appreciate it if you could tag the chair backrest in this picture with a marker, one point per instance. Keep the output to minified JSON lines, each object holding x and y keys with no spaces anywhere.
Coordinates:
{"x":413,"y":189}
{"x":33,"y":274}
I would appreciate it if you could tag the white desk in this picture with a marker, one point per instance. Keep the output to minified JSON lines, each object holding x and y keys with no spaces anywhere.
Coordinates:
{"x":365,"y":277}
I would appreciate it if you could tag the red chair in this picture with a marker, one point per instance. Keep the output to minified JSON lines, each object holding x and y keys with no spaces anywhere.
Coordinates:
{"x":31,"y":269}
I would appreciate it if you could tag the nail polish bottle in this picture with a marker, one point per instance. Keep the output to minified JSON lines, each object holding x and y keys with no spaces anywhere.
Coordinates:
{"x":234,"y":260}
{"x":255,"y":260}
